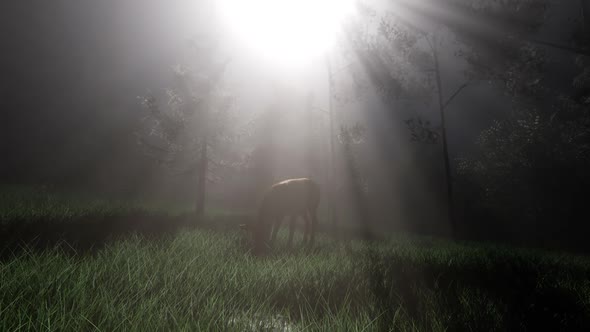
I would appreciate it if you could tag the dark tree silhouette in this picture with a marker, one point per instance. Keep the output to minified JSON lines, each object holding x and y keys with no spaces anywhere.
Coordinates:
{"x":402,"y":60}
{"x":194,"y":120}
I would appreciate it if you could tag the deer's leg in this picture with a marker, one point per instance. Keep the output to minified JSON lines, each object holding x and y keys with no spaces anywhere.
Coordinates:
{"x":292,"y":229}
{"x":314,"y":223}
{"x":307,"y":227}
{"x":275,"y":228}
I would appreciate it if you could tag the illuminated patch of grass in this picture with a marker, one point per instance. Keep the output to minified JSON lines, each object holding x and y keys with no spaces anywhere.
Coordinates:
{"x":204,"y":280}
{"x":208,"y":280}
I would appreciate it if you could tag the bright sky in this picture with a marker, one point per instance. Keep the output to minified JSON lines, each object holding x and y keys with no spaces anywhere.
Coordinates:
{"x":285,"y":32}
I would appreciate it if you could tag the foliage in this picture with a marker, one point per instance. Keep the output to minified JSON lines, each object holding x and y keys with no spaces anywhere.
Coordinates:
{"x":422,"y":131}
{"x":396,"y":54}
{"x":581,"y":82}
{"x":350,"y":135}
{"x":496,"y":40}
{"x":387,"y":58}
{"x":533,"y":167}
{"x":195,"y":109}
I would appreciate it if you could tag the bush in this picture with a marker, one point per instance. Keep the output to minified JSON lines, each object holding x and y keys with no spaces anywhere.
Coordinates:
{"x":531,"y":176}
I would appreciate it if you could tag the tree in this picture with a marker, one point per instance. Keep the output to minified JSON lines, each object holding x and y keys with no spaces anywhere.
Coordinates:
{"x":349,"y":137}
{"x":402,"y":59}
{"x":532,"y":168}
{"x":195,"y":119}
{"x":531,"y":172}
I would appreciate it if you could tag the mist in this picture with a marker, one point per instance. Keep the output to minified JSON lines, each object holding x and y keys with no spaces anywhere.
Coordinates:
{"x":380,"y":127}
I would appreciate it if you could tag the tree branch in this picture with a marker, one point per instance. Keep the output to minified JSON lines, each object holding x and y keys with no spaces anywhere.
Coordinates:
{"x":463,"y":86}
{"x":321,"y":110}
{"x":342,"y":68}
{"x":214,"y":162}
{"x":213,"y":178}
{"x":185,"y":171}
{"x":152,"y":146}
{"x":572,"y":49}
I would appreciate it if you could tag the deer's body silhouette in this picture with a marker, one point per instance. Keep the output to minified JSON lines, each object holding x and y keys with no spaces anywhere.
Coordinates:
{"x":290,"y":198}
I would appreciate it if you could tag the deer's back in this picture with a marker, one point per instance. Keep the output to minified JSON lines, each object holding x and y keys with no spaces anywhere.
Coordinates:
{"x":293,"y":196}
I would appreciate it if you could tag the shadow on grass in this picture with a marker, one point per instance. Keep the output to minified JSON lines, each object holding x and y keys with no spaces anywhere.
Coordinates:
{"x":504,"y":295}
{"x":80,"y":235}
{"x":88,"y":234}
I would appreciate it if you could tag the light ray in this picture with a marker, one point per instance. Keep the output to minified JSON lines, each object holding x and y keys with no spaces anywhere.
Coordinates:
{"x":285,"y":31}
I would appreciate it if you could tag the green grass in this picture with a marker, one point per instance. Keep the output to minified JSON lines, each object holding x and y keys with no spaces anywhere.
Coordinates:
{"x":198,"y":280}
{"x":204,"y":280}
{"x":201,"y":279}
{"x":19,"y":202}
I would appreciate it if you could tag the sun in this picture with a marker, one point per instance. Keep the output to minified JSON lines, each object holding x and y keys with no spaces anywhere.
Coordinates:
{"x":289,"y":32}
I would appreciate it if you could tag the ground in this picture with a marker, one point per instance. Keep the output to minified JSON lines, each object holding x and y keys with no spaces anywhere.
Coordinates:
{"x":180,"y":277}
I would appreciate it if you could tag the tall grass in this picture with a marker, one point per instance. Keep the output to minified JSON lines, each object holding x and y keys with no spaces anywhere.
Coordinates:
{"x":201,"y":279}
{"x":204,"y":280}
{"x":196,"y":281}
{"x":33,"y":203}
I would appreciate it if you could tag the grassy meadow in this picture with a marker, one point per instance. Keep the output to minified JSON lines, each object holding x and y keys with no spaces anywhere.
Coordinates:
{"x":70,"y":265}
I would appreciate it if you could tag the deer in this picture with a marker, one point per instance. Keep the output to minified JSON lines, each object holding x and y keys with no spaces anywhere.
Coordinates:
{"x":289,"y":198}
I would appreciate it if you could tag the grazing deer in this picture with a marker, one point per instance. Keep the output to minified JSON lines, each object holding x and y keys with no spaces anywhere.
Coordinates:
{"x":290,"y":198}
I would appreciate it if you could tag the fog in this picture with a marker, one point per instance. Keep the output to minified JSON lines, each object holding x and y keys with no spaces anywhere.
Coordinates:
{"x":75,"y":72}
{"x":294,"y":165}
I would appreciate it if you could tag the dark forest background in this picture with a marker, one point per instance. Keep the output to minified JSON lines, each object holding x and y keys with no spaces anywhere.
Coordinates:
{"x":517,"y":129}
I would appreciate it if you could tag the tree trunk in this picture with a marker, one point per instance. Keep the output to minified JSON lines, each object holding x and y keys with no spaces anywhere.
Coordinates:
{"x":201,"y":183}
{"x":332,"y":175}
{"x":309,"y":160}
{"x":362,"y":207}
{"x":585,"y":11}
{"x":203,"y":167}
{"x":451,"y":214}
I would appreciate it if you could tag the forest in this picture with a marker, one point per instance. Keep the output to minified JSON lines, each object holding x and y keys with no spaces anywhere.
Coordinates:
{"x":352,"y":165}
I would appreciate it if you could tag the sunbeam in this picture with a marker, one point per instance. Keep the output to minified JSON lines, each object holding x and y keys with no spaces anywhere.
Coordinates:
{"x":286,"y":32}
